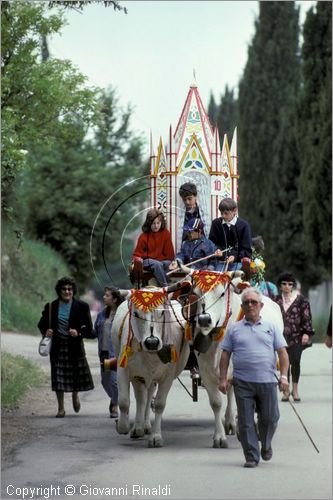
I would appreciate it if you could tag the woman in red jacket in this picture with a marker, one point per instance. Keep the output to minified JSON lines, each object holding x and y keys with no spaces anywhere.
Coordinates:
{"x":154,"y":246}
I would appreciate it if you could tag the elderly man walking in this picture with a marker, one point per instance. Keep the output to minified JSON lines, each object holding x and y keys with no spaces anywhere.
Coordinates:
{"x":253,"y":342}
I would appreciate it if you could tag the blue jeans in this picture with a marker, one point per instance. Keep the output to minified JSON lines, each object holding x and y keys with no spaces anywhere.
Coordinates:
{"x":159,"y":268}
{"x":109,"y":379}
{"x":235,"y":266}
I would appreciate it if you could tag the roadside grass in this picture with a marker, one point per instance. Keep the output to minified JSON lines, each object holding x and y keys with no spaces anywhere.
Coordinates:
{"x":30,"y":270}
{"x":18,"y":375}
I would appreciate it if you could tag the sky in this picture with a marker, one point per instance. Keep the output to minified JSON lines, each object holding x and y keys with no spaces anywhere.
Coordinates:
{"x":152,"y":54}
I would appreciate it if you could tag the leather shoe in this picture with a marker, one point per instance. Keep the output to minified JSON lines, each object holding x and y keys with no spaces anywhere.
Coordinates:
{"x":266,"y":454}
{"x":60,"y":414}
{"x":297,"y":400}
{"x":250,"y":464}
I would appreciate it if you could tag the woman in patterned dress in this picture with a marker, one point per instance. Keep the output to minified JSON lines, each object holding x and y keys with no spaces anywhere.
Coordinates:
{"x":298,"y":330}
{"x":67,"y":320}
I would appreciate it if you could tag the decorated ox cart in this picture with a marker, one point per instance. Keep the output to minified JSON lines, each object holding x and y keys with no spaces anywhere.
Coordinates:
{"x":151,"y":332}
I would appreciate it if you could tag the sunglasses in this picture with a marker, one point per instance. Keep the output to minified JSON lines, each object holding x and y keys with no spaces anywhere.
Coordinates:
{"x":67,"y":289}
{"x":249,"y":302}
{"x":287,"y":283}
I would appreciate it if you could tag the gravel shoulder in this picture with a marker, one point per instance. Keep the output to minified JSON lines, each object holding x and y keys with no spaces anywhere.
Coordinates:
{"x":16,"y":423}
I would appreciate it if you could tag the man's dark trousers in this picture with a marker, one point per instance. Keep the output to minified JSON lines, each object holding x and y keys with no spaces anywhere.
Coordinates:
{"x":262,"y":398}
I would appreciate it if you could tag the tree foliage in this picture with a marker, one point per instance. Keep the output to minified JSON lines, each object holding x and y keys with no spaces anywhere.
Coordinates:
{"x":37,"y":94}
{"x":70,"y":179}
{"x":79,"y":4}
{"x":224,"y":115}
{"x":316,"y":134}
{"x":227,"y":115}
{"x":268,"y":140}
{"x":212,"y":110}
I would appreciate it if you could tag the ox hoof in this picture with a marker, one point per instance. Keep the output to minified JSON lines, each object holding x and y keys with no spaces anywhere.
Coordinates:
{"x":147,"y":429}
{"x":230,"y":429}
{"x":220,"y":443}
{"x":122,"y":428}
{"x":155,"y":442}
{"x":137,"y":433}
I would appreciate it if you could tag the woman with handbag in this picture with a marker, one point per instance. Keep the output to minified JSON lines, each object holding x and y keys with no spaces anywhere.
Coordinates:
{"x":102,"y":330}
{"x":67,"y":321}
{"x":298,"y":329}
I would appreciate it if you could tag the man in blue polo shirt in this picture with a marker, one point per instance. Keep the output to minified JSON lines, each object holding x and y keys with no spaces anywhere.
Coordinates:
{"x":253,"y":342}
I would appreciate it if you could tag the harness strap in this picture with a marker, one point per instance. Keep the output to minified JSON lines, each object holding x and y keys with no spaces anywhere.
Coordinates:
{"x":122,"y":325}
{"x":182,"y":329}
{"x":127,"y":349}
{"x":228,"y":313}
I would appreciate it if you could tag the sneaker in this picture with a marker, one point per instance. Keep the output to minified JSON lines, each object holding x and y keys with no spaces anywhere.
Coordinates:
{"x":266,"y":454}
{"x":250,"y":464}
{"x":114,"y":411}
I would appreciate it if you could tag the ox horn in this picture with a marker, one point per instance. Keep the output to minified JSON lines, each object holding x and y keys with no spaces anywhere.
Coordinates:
{"x":185,"y":269}
{"x":124,"y":293}
{"x":177,"y":286}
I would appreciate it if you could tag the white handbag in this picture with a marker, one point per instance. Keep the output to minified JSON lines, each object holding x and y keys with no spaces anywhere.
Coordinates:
{"x":45,"y":344}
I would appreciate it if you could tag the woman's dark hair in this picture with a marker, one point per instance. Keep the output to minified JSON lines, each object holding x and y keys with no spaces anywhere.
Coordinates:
{"x":116,"y":295}
{"x":287,"y":276}
{"x":152,"y":214}
{"x":66,"y":280}
{"x":188,"y":189}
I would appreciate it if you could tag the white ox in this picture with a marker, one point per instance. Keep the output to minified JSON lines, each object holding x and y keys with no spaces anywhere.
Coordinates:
{"x":140,"y":338}
{"x":217,"y":307}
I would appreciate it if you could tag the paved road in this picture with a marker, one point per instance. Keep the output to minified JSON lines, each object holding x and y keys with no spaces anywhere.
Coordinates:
{"x":85,"y":451}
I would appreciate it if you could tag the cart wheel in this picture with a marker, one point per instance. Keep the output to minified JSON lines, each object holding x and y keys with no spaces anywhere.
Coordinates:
{"x":195,"y":389}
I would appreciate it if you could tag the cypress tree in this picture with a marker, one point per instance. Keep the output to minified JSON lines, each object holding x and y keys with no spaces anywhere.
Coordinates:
{"x":227,"y":115}
{"x":316,"y":135}
{"x":268,"y":149}
{"x":212,"y":110}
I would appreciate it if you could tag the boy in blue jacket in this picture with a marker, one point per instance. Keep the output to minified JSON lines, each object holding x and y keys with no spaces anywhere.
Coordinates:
{"x":196,"y":246}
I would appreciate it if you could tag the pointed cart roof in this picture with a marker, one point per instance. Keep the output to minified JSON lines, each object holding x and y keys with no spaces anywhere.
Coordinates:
{"x":194,"y":154}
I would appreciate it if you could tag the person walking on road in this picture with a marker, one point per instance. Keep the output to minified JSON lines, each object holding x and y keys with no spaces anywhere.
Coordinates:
{"x":102,"y":330}
{"x":298,"y":329}
{"x":253,"y":342}
{"x":67,"y":320}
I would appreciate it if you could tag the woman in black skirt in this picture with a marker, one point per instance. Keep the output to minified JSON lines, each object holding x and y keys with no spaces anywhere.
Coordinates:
{"x":67,"y":320}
